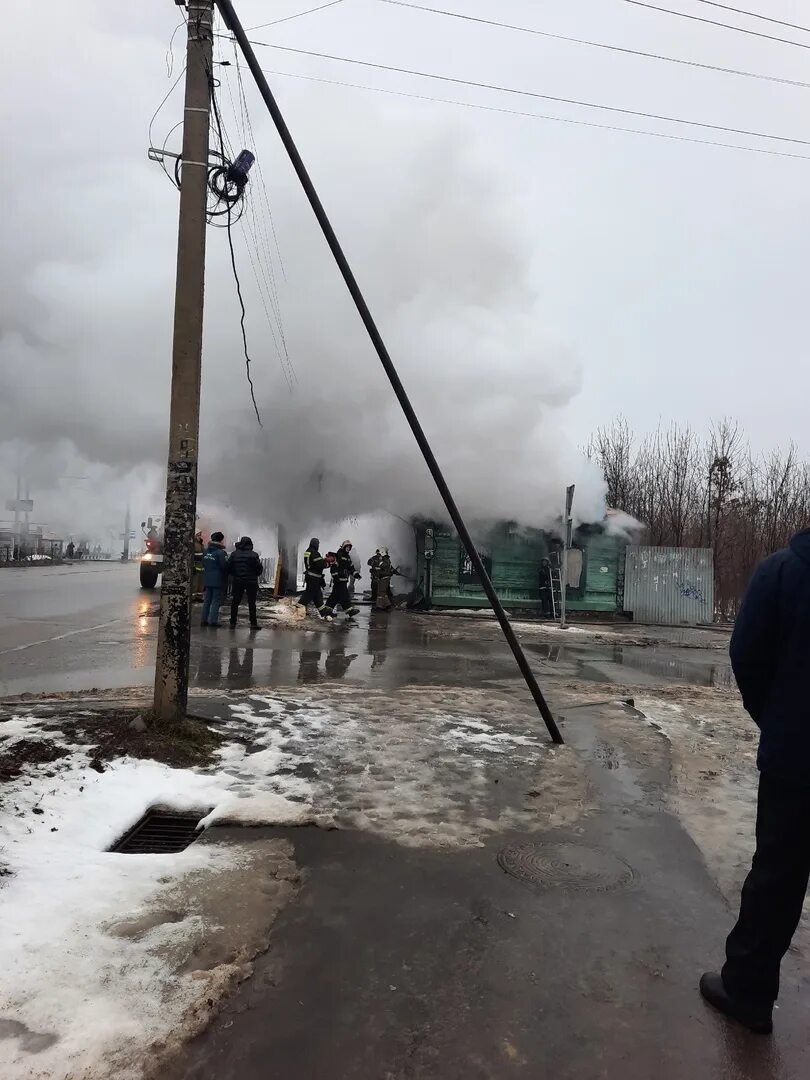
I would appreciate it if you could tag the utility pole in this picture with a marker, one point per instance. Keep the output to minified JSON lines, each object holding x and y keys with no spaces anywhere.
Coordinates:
{"x":174,"y":634}
{"x":567,"y":541}
{"x":18,"y":553}
{"x":127,"y":531}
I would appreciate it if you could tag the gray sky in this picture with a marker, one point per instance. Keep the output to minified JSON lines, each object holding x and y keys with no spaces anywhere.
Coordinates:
{"x":533,"y":278}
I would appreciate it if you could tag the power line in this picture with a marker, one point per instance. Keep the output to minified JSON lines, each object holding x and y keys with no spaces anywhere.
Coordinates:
{"x":169,"y":93}
{"x":714,"y":22}
{"x":212,"y":83}
{"x":244,"y":105}
{"x":755,"y":15}
{"x":256,"y":237}
{"x":541,"y":116}
{"x":289,"y":369}
{"x":289,"y":18}
{"x":594,"y":44}
{"x":536,"y":94}
{"x":251,"y":242}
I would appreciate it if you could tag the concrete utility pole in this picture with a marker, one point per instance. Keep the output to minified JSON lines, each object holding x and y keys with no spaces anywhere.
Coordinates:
{"x":568,"y":539}
{"x":174,"y":635}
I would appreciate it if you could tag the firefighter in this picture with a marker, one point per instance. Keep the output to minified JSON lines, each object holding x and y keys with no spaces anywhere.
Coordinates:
{"x":343,"y":572}
{"x":374,"y":567}
{"x":385,"y":571}
{"x":314,"y":567}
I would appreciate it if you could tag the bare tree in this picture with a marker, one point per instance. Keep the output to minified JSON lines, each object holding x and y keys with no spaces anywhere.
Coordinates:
{"x":710,"y":491}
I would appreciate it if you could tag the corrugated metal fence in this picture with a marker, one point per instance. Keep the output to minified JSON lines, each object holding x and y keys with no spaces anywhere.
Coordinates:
{"x":669,"y":586}
{"x":269,"y":575}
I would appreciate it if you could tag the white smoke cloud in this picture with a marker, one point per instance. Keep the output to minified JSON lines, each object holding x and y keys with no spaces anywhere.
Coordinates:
{"x":437,"y":235}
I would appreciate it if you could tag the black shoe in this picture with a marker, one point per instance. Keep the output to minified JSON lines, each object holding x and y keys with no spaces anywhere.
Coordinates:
{"x":757,"y":1018}
{"x":232,"y":625}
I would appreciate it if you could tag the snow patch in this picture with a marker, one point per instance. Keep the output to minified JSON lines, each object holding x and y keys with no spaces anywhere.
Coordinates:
{"x":95,"y":999}
{"x":258,"y":810}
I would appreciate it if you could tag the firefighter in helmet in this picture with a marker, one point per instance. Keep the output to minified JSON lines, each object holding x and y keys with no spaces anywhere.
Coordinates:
{"x":314,"y":568}
{"x":343,"y":572}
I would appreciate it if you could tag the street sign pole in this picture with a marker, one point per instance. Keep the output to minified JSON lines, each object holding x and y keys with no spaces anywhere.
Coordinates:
{"x":568,"y":538}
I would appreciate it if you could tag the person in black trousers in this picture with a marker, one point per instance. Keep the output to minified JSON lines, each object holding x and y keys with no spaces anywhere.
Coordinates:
{"x":770,"y":655}
{"x":314,"y":569}
{"x":245,"y":567}
{"x":343,"y":571}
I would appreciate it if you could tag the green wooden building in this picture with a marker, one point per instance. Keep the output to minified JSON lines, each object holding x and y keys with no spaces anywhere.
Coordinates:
{"x":512,"y":556}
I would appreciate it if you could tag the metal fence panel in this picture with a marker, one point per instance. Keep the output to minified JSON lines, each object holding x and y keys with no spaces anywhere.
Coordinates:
{"x":669,"y":586}
{"x":269,"y":571}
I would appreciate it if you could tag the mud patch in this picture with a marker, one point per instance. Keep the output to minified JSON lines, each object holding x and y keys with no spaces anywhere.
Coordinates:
{"x":16,"y":756}
{"x":183,"y":745}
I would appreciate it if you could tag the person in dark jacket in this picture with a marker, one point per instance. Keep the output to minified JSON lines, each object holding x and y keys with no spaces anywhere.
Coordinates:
{"x":314,"y":581}
{"x":384,"y":597}
{"x":770,"y":655}
{"x":374,"y":566}
{"x":245,"y":567}
{"x":343,"y":571}
{"x":215,"y":578}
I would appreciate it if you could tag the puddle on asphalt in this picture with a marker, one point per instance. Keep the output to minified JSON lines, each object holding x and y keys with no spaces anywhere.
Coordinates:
{"x":661,"y":663}
{"x":393,"y":651}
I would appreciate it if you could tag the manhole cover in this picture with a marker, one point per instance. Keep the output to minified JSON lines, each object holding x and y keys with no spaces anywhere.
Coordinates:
{"x":160,"y":833}
{"x":566,"y":866}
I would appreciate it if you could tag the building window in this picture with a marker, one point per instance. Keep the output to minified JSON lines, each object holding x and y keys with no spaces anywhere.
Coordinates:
{"x":466,"y":571}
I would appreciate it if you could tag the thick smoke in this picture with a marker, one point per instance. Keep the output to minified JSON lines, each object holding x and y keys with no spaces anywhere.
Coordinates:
{"x":438,"y":239}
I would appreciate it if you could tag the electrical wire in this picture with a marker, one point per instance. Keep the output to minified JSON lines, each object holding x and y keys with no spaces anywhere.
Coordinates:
{"x":258,"y":232}
{"x":242,"y":321}
{"x":541,"y":116}
{"x":536,"y":94}
{"x":594,"y":44}
{"x":243,"y":98}
{"x":289,"y":18}
{"x":170,"y":47}
{"x":218,"y":120}
{"x":168,"y":94}
{"x":714,"y":22}
{"x":250,"y":238}
{"x":755,"y":15}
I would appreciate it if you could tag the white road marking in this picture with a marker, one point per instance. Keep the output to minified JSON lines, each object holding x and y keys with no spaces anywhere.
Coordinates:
{"x":60,"y":637}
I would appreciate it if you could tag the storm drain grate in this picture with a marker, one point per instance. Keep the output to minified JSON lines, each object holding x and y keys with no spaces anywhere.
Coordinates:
{"x":160,"y":833}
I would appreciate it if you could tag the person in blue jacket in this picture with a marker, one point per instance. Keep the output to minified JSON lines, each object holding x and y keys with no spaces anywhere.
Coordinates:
{"x":770,"y":655}
{"x":215,"y":578}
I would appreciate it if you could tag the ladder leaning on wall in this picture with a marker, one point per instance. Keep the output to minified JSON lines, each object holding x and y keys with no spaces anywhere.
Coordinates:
{"x":556,"y":591}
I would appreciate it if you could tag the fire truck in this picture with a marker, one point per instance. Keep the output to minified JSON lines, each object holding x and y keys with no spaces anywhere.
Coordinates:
{"x":151,"y":560}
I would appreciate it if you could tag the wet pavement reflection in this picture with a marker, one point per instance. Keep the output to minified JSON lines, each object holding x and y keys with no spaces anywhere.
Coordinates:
{"x":395,"y":649}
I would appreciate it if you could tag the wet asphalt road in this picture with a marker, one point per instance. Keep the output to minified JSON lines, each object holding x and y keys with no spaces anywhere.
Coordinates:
{"x":406,"y":963}
{"x":90,"y":625}
{"x":403,"y":963}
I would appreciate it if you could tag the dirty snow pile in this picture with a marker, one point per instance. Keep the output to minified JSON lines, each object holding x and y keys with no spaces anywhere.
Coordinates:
{"x":416,"y":766}
{"x":285,"y":611}
{"x":79,"y":998}
{"x":82,"y":996}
